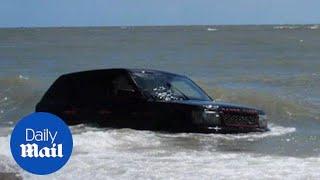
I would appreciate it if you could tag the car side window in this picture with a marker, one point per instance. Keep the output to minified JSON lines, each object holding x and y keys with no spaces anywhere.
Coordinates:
{"x":123,"y":87}
{"x":90,"y":89}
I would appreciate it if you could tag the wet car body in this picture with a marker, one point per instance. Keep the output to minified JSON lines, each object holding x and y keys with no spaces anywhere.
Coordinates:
{"x":146,"y":100}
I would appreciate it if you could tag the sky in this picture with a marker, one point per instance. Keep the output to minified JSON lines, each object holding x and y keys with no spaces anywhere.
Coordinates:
{"x":48,"y":13}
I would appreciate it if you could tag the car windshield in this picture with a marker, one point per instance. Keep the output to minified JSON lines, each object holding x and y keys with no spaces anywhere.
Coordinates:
{"x":169,"y":87}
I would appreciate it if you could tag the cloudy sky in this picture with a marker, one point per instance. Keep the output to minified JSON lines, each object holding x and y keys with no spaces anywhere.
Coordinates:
{"x":26,"y":13}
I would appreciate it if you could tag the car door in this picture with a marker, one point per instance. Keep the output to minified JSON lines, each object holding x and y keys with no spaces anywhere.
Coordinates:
{"x":127,"y":102}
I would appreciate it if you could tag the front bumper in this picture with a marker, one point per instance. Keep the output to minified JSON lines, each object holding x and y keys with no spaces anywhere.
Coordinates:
{"x":227,"y":130}
{"x":229,"y":120}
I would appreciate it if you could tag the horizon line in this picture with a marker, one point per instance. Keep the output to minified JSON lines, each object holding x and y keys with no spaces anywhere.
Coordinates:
{"x":159,"y":25}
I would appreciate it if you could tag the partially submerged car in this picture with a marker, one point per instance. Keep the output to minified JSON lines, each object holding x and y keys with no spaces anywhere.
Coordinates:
{"x":147,"y":100}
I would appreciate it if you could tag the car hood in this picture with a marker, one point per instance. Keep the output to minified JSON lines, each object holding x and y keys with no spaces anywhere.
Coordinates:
{"x":217,"y":104}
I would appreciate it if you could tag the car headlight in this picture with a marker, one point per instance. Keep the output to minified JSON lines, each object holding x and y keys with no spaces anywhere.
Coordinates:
{"x":263,"y":120}
{"x":206,"y":117}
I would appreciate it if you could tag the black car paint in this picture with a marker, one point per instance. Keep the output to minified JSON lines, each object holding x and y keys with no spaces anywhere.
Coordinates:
{"x":138,"y":110}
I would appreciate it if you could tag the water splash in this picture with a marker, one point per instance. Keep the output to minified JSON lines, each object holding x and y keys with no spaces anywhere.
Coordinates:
{"x":127,"y":153}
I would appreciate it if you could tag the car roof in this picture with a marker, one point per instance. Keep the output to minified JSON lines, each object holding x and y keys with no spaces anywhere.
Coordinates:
{"x":114,"y":70}
{"x":153,"y":71}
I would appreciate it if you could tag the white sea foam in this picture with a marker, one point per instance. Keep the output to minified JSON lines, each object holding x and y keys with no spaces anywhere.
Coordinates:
{"x":285,"y":27}
{"x":23,"y":77}
{"x":314,"y":27}
{"x":130,"y":154}
{"x":275,"y":131}
{"x":212,"y":29}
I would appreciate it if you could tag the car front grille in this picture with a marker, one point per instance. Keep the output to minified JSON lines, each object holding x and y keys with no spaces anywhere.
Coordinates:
{"x":239,"y":120}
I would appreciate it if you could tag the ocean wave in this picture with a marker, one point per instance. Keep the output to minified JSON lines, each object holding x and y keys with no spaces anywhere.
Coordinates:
{"x":18,"y":95}
{"x":274,"y":131}
{"x":7,"y":164}
{"x":184,"y":165}
{"x":189,"y":165}
{"x":23,"y":77}
{"x":301,"y":80}
{"x":127,"y":153}
{"x":259,"y":91}
{"x":212,"y":29}
{"x":314,"y":27}
{"x":284,"y":27}
{"x":292,"y":27}
{"x":278,"y":108}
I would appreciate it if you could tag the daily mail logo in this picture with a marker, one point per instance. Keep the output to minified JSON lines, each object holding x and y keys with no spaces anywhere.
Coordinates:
{"x":33,"y":150}
{"x":41,"y":143}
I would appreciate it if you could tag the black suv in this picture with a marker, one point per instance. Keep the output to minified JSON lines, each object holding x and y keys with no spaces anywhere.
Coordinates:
{"x":147,"y":100}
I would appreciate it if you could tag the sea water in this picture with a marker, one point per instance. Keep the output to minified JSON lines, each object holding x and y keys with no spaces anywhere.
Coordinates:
{"x":275,"y":68}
